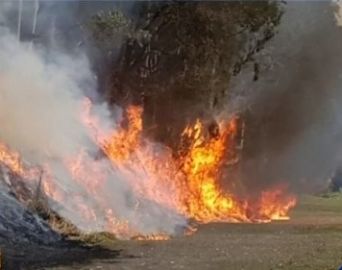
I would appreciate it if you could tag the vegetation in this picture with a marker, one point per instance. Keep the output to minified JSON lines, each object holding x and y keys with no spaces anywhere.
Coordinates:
{"x":177,"y":58}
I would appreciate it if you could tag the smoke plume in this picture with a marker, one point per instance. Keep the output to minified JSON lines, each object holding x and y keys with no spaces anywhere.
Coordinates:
{"x":293,"y":112}
{"x":42,"y":93}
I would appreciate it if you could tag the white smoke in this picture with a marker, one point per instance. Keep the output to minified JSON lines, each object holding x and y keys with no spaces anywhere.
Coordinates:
{"x":338,"y":12}
{"x":41,"y":95}
{"x":39,"y":101}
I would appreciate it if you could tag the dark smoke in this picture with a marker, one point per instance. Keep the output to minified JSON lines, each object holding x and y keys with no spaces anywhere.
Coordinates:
{"x":294,"y":127}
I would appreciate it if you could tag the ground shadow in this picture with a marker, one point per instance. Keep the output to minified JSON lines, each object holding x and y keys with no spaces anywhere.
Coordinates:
{"x":29,"y":256}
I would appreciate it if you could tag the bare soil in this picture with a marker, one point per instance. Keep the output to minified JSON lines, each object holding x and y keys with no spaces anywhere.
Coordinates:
{"x":312,"y":239}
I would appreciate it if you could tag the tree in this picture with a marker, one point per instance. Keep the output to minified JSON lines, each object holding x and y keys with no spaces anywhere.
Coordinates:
{"x":177,"y":58}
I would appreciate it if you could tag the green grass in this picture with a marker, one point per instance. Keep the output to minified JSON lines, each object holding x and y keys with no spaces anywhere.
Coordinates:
{"x":329,"y":203}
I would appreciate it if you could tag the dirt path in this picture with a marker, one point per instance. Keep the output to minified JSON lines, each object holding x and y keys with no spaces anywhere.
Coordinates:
{"x":234,"y":246}
{"x":311,"y":240}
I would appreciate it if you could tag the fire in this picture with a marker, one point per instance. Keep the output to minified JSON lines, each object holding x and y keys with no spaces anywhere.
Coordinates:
{"x":275,"y":205}
{"x":115,"y":148}
{"x":204,"y":200}
{"x":11,"y":160}
{"x":187,"y":183}
{"x":193,"y":177}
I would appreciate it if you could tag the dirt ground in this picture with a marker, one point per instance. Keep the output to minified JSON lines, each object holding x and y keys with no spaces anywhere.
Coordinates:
{"x":312,"y":239}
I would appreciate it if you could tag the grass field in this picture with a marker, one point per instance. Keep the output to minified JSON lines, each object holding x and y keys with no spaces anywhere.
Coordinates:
{"x":311,"y":240}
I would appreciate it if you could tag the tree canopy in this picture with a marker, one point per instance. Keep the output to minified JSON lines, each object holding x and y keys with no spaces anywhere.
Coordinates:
{"x":177,"y":58}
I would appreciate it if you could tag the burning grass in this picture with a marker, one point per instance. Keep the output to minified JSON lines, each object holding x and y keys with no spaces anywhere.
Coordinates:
{"x":194,"y":175}
{"x":187,"y":184}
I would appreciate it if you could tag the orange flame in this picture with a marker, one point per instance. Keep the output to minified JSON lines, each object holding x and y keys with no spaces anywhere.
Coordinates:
{"x":204,"y":200}
{"x":188,"y":184}
{"x":275,"y":205}
{"x":193,"y":177}
{"x":123,"y":143}
{"x":11,"y":160}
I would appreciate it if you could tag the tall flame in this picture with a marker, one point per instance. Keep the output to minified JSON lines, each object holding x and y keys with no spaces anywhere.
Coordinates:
{"x":193,"y":178}
{"x":189,"y":184}
{"x":204,"y":199}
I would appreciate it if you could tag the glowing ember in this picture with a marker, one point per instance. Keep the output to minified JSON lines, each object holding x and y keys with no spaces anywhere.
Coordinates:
{"x":187,"y":184}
